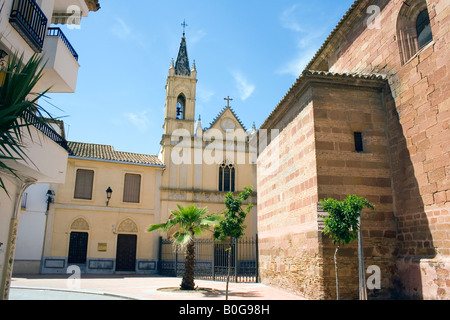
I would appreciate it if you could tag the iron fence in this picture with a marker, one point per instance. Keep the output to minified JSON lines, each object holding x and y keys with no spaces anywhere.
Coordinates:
{"x":211,"y":260}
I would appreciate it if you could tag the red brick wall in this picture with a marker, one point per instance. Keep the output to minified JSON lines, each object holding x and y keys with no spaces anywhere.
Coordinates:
{"x":287,"y":196}
{"x":418,"y":114}
{"x":339,"y":111}
{"x":405,"y":172}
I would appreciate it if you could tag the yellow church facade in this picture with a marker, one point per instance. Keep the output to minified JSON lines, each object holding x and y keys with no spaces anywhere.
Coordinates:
{"x":99,"y":218}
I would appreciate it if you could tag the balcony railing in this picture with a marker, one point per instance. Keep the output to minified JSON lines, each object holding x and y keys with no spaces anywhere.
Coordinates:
{"x":39,"y":124}
{"x":56,"y":32}
{"x":29,"y":20}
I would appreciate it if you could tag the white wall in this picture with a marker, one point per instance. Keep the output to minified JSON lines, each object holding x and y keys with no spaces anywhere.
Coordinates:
{"x":30,"y":235}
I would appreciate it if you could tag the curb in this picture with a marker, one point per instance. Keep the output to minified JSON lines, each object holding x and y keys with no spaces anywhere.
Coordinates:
{"x":76,"y":291}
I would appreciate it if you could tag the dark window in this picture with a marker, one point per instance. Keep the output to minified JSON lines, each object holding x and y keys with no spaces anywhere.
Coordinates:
{"x":83,"y":184}
{"x":132,"y":188}
{"x":227,"y":177}
{"x":78,"y":247}
{"x":423,"y":28}
{"x":359,"y":147}
{"x":181,"y":107}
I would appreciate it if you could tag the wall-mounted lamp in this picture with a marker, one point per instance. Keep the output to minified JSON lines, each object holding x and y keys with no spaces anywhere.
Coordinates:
{"x":50,"y":198}
{"x":108,"y":195}
{"x":3,"y":55}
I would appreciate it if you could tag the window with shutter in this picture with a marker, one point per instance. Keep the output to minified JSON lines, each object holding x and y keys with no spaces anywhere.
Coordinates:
{"x":83,"y":184}
{"x":132,"y":188}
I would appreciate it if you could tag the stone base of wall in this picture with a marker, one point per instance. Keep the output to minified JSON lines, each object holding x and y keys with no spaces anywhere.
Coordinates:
{"x":424,"y":278}
{"x":59,"y":265}
{"x":293,"y":264}
{"x":26,"y":267}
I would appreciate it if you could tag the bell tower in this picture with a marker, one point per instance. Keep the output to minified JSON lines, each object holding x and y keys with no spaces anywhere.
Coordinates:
{"x":180,"y":95}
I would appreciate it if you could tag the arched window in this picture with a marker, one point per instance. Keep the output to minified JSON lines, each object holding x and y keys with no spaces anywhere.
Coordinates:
{"x":413,"y":28}
{"x":181,"y":107}
{"x":227,"y":175}
{"x":423,"y":29}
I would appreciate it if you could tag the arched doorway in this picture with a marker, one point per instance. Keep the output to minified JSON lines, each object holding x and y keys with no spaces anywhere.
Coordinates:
{"x":78,"y":244}
{"x":126,"y":246}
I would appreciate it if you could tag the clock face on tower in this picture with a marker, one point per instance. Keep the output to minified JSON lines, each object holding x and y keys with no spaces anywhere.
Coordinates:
{"x":228,"y":125}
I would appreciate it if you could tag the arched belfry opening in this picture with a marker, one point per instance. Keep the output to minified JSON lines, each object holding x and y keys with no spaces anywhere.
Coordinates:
{"x":181,"y":107}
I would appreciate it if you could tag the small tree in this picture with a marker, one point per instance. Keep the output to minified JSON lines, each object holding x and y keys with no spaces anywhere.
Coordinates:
{"x":232,"y":226}
{"x":343,"y":223}
{"x":189,"y":222}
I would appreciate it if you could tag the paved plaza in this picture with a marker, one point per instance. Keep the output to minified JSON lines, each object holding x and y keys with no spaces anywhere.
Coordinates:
{"x":133,"y":287}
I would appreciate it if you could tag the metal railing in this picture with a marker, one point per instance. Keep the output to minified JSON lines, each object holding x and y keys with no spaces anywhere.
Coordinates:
{"x":31,"y":23}
{"x":211,"y":260}
{"x":57,"y":32}
{"x":39,"y":124}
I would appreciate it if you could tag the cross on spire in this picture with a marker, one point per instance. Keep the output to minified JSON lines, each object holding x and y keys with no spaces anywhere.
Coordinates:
{"x":228,"y":101}
{"x":184,"y":25}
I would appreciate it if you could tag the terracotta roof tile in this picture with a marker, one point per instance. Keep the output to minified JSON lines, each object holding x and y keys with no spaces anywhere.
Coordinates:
{"x":325,"y":74}
{"x":107,"y":153}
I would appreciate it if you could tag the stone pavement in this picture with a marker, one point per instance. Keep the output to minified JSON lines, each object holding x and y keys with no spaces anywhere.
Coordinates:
{"x":117,"y":287}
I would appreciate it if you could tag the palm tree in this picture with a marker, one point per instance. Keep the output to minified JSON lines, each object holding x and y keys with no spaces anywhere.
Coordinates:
{"x":189,"y":222}
{"x":16,"y":100}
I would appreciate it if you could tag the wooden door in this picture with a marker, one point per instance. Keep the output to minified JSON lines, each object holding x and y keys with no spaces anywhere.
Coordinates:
{"x":126,"y":252}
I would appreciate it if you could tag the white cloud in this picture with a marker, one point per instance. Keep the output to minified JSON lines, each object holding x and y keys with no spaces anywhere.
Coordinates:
{"x":140,"y":120}
{"x":296,"y":65}
{"x":308,"y":41}
{"x":196,"y":36}
{"x":245,"y":88}
{"x":204,"y":94}
{"x":288,"y":19}
{"x":121,"y":29}
{"x":124,"y":31}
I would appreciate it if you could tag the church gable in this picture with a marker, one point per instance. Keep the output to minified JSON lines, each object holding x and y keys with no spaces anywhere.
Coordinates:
{"x":227,"y":121}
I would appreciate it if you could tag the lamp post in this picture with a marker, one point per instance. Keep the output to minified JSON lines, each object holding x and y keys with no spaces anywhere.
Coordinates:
{"x":108,"y":195}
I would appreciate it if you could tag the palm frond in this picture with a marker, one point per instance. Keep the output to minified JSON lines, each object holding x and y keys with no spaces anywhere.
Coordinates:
{"x":17,"y":98}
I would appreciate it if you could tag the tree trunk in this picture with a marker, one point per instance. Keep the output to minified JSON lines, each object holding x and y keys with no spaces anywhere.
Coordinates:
{"x":336,"y":271}
{"x":188,"y":276}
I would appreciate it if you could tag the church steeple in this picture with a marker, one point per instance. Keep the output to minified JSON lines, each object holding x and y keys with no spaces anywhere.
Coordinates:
{"x":180,"y":94}
{"x":182,"y":67}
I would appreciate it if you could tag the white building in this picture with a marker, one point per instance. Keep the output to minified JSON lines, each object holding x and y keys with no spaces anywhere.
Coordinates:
{"x":25,"y":28}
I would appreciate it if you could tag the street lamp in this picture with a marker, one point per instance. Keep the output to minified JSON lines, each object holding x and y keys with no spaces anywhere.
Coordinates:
{"x":108,"y":195}
{"x":50,"y":198}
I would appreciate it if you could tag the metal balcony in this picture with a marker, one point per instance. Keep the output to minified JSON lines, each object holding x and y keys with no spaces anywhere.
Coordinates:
{"x":40,"y":125}
{"x":30,"y":22}
{"x":57,"y":32}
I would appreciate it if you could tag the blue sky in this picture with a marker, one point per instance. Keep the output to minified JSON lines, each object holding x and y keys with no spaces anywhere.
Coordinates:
{"x":249,"y":50}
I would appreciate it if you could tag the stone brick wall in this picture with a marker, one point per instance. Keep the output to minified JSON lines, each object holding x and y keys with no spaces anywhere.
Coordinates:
{"x":417,"y":105}
{"x":339,"y":111}
{"x":314,"y":158}
{"x":287,"y":197}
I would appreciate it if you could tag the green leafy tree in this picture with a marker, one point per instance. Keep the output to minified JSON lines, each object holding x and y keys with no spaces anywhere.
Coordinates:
{"x":17,"y":98}
{"x":343,"y":223}
{"x":187,"y":223}
{"x":232,"y":226}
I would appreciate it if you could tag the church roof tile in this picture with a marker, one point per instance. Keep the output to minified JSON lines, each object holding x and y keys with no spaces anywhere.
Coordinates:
{"x":107,"y":153}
